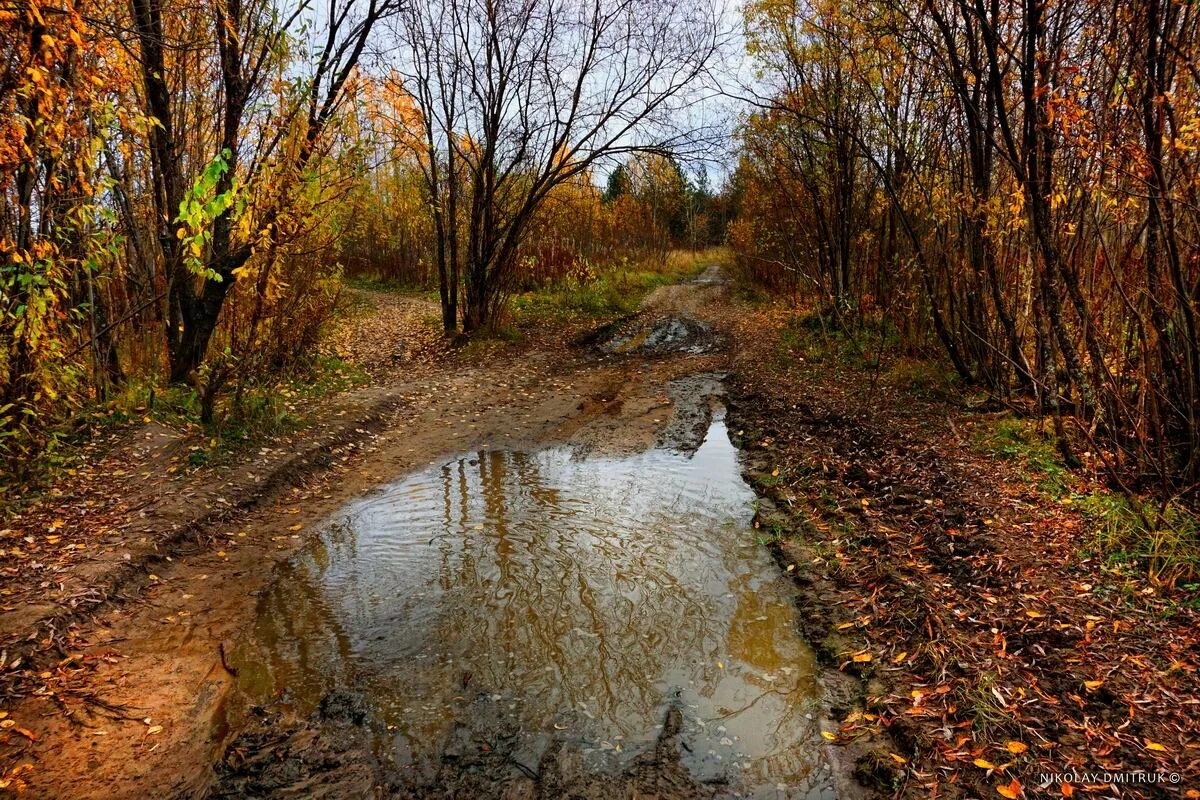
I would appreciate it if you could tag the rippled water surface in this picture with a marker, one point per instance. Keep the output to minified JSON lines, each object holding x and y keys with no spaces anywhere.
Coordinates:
{"x":579,"y":597}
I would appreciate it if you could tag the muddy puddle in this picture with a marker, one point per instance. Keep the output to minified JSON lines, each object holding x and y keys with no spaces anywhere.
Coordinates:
{"x":546,"y":607}
{"x":662,"y":336}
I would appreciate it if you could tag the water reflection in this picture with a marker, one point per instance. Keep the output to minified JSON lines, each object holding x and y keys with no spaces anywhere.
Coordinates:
{"x":581,"y":595}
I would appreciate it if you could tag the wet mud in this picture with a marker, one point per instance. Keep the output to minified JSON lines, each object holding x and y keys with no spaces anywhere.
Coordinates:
{"x":659,"y":336}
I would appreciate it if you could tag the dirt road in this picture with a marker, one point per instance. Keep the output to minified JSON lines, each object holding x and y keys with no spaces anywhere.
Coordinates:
{"x":145,"y":697}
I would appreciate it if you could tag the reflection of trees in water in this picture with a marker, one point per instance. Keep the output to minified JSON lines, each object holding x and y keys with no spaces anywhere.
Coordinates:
{"x":768,"y":708}
{"x":562,"y":582}
{"x":304,"y":645}
{"x":551,"y":580}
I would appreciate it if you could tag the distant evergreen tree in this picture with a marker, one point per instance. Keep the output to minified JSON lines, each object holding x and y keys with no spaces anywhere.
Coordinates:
{"x":618,"y":184}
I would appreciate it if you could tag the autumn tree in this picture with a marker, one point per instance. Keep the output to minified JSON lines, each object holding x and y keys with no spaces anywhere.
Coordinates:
{"x":57,"y":78}
{"x":520,"y":96}
{"x":220,"y":192}
{"x":1015,"y":183}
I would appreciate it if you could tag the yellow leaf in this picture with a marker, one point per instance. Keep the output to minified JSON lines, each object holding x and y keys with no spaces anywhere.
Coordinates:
{"x":154,"y":729}
{"x":899,"y":759}
{"x":1155,"y":746}
{"x":1029,"y":612}
{"x":1016,"y":748}
{"x":862,"y":657}
{"x":830,"y":736}
{"x":984,"y":764}
{"x":295,"y":527}
{"x":1093,"y":684}
{"x":1010,"y":790}
{"x":900,"y":657}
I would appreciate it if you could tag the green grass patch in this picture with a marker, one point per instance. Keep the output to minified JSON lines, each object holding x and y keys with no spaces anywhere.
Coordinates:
{"x":928,"y":379}
{"x":615,"y":290}
{"x":1017,"y":440}
{"x":261,"y":409}
{"x":1161,"y":540}
{"x":1156,"y":539}
{"x":817,"y":338}
{"x":373,"y":283}
{"x":272,"y":407}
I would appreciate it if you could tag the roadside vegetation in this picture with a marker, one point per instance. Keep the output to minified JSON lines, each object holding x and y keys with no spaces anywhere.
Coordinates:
{"x":1003,"y":194}
{"x":959,"y":572}
{"x":614,"y":289}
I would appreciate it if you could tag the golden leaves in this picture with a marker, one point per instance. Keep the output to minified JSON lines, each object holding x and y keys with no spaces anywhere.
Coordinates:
{"x":1011,"y":790}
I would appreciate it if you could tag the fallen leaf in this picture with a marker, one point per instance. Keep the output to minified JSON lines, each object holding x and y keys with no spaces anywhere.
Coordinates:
{"x":154,"y":729}
{"x":862,"y":657}
{"x":984,"y":764}
{"x":1016,"y":748}
{"x":1154,"y":746}
{"x":1010,"y":790}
